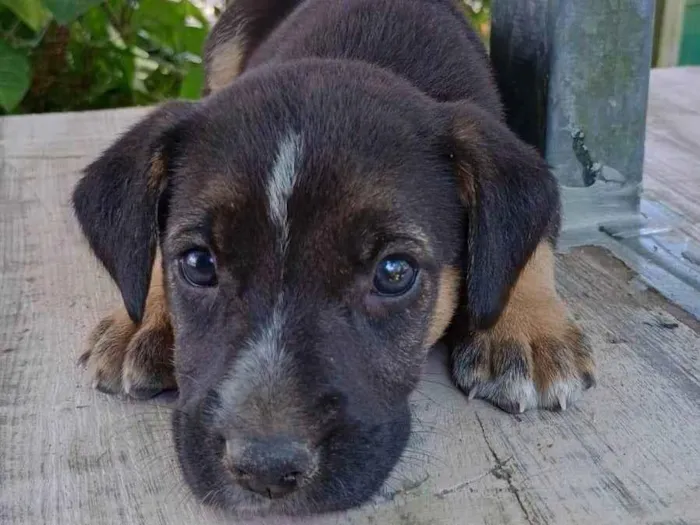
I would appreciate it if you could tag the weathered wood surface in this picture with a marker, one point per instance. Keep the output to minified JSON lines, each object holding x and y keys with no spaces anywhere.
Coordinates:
{"x":629,"y":453}
{"x":673,"y":143}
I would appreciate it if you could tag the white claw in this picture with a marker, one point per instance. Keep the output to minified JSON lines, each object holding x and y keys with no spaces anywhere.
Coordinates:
{"x":521,"y":406}
{"x":562,"y":401}
{"x":95,"y":384}
{"x":472,"y":394}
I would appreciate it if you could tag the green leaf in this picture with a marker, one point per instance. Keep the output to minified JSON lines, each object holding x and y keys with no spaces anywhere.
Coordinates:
{"x":31,"y":12}
{"x":191,"y":86}
{"x":93,"y":26}
{"x":15,"y":76}
{"x":166,"y":24}
{"x":65,"y":11}
{"x":192,"y":40}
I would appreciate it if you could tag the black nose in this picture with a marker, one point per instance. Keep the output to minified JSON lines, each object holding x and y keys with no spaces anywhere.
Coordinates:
{"x":272,"y":467}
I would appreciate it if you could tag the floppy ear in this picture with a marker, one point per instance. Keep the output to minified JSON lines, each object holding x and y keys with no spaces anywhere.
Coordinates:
{"x":512,"y":203}
{"x":117,"y":198}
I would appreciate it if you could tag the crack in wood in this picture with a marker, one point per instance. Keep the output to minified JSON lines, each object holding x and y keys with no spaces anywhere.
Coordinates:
{"x":501,"y":472}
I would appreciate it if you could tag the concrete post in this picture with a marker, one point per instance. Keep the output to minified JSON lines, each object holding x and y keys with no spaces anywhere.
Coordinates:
{"x":575,"y":76}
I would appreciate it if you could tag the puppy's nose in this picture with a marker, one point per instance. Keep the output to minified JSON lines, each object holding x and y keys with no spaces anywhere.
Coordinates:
{"x":272,"y":467}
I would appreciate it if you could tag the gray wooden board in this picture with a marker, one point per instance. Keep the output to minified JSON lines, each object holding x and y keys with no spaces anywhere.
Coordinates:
{"x":673,"y":141}
{"x":628,"y":453}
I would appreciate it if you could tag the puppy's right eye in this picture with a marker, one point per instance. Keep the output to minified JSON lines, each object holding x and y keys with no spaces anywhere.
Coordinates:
{"x":394,"y":276}
{"x":198,"y":268}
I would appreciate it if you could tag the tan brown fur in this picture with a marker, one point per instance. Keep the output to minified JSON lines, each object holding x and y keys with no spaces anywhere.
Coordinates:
{"x":224,"y":64}
{"x":137,"y":359}
{"x":533,"y":306}
{"x":445,"y":304}
{"x":107,"y":343}
{"x":536,"y":321}
{"x":476,"y":164}
{"x":156,"y":173}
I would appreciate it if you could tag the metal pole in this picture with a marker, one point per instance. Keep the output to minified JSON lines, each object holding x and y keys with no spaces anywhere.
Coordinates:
{"x":574,"y":75}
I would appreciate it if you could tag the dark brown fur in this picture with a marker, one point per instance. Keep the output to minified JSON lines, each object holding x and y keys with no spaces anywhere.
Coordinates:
{"x":386,"y":117}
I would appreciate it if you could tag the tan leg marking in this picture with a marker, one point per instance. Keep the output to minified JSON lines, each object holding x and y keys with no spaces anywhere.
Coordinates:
{"x":535,"y":355}
{"x":134,"y":359}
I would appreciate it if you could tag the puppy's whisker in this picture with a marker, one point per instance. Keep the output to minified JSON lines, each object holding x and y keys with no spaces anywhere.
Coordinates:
{"x":142,"y":417}
{"x":190,"y":377}
{"x":420,"y":422}
{"x":421,"y":428}
{"x":149,"y":455}
{"x":423,"y":434}
{"x":423,"y":455}
{"x":163,"y":455}
{"x":156,"y":440}
{"x":421,"y":393}
{"x":209,"y":496}
{"x":183,"y":495}
{"x":437,"y":382}
{"x":146,"y":423}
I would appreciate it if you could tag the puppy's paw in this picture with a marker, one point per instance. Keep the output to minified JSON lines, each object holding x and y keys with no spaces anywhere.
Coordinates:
{"x":148,"y":363}
{"x":106,"y":350}
{"x":125,"y":358}
{"x":534,"y":356}
{"x":522,"y":372}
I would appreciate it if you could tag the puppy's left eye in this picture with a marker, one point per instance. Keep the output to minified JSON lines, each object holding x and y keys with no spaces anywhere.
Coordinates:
{"x":198,"y":268}
{"x":395,"y":275}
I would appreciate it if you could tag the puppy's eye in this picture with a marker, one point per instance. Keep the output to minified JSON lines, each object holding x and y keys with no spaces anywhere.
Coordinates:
{"x":395,"y":275}
{"x":198,"y":268}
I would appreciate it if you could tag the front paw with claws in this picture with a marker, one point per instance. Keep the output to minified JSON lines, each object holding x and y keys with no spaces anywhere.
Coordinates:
{"x":549,"y":372}
{"x":136,"y":360}
{"x":534,"y":356}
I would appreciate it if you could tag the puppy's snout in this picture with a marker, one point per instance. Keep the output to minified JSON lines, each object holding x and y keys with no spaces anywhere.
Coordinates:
{"x":272,"y":467}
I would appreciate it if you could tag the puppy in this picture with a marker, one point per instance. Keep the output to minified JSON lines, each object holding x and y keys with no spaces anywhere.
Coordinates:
{"x":289,"y":248}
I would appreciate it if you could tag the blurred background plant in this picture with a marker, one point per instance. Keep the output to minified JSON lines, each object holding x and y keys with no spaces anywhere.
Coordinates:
{"x":72,"y":55}
{"x":62,"y":55}
{"x":69,"y":55}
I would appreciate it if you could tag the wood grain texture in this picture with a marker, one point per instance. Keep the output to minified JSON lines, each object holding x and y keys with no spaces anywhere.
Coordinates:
{"x":629,"y":453}
{"x":672,"y":159}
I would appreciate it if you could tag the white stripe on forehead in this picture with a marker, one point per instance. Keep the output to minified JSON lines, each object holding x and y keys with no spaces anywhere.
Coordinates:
{"x":261,"y":377}
{"x":281,"y":182}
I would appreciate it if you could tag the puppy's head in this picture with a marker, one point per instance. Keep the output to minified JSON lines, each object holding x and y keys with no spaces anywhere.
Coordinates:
{"x":319,"y":225}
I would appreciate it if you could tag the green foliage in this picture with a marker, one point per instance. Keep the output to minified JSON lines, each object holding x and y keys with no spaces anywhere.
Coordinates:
{"x":64,"y":12}
{"x":63,"y":55}
{"x":70,"y":55}
{"x":14,"y":76}
{"x":31,"y":12}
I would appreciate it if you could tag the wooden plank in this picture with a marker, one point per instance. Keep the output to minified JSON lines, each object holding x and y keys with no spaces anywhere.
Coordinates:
{"x":629,"y":453}
{"x":672,"y":175}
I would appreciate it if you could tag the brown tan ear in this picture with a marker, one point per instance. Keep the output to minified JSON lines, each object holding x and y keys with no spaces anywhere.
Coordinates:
{"x":512,"y":203}
{"x":117,"y":198}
